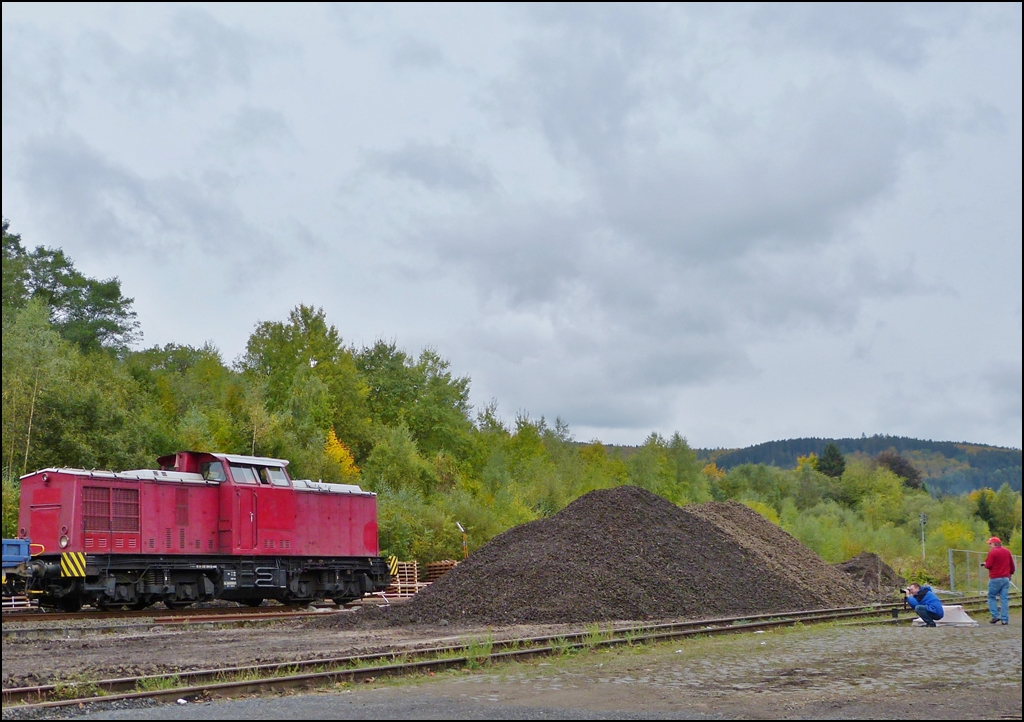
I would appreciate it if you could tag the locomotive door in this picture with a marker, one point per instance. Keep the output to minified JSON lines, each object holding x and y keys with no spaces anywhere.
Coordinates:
{"x":245,"y":501}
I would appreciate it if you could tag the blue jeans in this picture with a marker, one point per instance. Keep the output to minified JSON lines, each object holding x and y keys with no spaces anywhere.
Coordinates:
{"x":999,"y":587}
{"x":927,"y":616}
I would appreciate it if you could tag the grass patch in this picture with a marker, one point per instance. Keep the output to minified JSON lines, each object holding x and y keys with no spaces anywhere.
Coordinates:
{"x":75,"y":688}
{"x":595,"y":636}
{"x":157,"y":684}
{"x":478,"y":652}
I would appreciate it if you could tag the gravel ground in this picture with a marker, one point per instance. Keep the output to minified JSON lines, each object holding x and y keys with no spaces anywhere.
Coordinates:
{"x":835,"y":672}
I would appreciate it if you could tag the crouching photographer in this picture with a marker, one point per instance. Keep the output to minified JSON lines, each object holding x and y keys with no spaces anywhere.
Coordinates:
{"x":923,"y":601}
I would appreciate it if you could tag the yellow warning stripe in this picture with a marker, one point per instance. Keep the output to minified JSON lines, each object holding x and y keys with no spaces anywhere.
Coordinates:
{"x":72,"y":564}
{"x":393,"y":565}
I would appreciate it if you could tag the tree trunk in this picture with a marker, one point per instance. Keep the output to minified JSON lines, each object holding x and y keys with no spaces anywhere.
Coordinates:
{"x":31,"y":413}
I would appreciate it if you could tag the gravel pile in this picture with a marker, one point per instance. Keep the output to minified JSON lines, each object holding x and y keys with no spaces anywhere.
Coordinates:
{"x":869,"y":570}
{"x":628,"y":554}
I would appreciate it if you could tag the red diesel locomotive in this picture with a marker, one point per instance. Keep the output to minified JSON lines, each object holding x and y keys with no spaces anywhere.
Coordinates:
{"x":203,"y":526}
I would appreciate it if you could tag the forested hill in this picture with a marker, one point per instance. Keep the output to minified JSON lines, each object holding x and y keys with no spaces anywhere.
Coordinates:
{"x":947,"y":466}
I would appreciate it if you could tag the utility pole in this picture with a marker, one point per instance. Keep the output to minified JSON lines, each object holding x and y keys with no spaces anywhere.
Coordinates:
{"x":924,"y":520}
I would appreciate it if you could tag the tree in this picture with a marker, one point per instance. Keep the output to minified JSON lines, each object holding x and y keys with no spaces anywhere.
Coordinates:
{"x":395,"y":464}
{"x":35,"y":361}
{"x":86,"y":311}
{"x":15,"y":271}
{"x":901,"y":467}
{"x":303,"y":360}
{"x":832,"y":462}
{"x":420,"y":393}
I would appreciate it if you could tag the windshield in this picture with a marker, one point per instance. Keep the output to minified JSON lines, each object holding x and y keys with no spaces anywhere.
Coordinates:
{"x":212,"y":471}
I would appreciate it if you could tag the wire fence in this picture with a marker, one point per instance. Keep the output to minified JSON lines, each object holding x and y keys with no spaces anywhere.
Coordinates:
{"x":968,"y":575}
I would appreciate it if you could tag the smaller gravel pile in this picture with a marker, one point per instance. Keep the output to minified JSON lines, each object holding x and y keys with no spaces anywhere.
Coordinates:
{"x":628,"y":554}
{"x":872,"y":572}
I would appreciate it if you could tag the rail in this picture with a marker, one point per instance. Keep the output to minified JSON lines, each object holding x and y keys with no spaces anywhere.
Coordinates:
{"x":239,"y":680}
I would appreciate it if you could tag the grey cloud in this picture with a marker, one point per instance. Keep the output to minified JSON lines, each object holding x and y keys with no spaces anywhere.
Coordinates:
{"x":197,"y":55}
{"x":1004,"y":383}
{"x":248,"y":129}
{"x":675,"y":249}
{"x":255,"y":126}
{"x":436,"y":167}
{"x":824,"y":154}
{"x":895,"y":34}
{"x":641,"y":201}
{"x":34,"y":77}
{"x":415,"y":53}
{"x":119,"y":211}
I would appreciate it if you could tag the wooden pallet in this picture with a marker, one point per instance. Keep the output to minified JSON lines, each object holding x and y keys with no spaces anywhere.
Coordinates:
{"x":406,"y":573}
{"x":19,"y":602}
{"x":404,"y":591}
{"x":436,"y":570}
{"x":405,"y":581}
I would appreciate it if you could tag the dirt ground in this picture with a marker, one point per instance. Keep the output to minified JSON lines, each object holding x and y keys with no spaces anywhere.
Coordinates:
{"x":837,"y":672}
{"x":28,"y":662}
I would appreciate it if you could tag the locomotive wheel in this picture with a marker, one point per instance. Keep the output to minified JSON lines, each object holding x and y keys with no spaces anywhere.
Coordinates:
{"x":140,"y":605}
{"x":342,"y":601}
{"x":255,"y":602}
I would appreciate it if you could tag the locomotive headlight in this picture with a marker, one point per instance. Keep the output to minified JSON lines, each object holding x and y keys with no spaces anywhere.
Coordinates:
{"x":64,"y":541}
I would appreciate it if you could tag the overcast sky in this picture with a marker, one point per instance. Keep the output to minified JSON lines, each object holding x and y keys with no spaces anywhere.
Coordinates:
{"x":741,"y":223}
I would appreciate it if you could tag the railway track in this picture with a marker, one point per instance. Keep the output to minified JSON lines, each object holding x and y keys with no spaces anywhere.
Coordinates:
{"x":240,"y":680}
{"x":40,"y":616}
{"x":227,"y":617}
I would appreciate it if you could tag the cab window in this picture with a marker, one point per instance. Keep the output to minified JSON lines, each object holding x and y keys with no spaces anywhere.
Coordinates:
{"x":243,"y":474}
{"x":277,"y":476}
{"x":270,"y":475}
{"x":212,"y":471}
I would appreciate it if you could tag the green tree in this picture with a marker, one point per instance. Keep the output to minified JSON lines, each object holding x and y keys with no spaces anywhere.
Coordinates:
{"x":36,"y":361}
{"x":983,"y":508}
{"x":15,"y":271}
{"x":420,"y":393}
{"x":88,"y":312}
{"x":832,"y":462}
{"x":395,"y":463}
{"x":292,"y":360}
{"x":1005,"y":505}
{"x":651,"y":467}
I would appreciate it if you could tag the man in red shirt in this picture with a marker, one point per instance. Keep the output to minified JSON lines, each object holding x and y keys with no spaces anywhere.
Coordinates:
{"x":999,"y":563}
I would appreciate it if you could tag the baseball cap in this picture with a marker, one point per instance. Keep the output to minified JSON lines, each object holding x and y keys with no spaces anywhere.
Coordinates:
{"x":995,"y":540}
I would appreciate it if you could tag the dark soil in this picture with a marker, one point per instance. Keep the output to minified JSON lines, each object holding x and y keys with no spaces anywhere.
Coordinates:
{"x":628,"y":554}
{"x":872,"y":572}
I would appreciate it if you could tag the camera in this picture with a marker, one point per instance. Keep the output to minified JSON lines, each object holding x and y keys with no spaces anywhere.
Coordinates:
{"x":903,"y":591}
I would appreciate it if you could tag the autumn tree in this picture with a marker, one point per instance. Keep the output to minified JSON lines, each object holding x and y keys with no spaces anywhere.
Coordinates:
{"x":901,"y":467}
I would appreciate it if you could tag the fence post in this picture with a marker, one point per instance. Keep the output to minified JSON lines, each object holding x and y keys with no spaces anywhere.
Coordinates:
{"x":952,"y":584}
